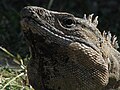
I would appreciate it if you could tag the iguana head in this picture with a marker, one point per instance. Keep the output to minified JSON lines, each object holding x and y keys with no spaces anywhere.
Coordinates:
{"x":61,"y":28}
{"x":75,"y":40}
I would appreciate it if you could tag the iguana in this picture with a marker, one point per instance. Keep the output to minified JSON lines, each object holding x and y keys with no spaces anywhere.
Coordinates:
{"x":69,"y":53}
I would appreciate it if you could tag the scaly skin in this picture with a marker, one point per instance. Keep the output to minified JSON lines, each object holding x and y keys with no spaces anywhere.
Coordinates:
{"x":69,"y":53}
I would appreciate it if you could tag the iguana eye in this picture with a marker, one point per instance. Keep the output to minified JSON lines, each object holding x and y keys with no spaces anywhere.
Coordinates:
{"x":68,"y":22}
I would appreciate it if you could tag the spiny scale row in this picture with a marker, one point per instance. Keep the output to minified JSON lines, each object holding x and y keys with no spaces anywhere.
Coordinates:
{"x":90,"y":19}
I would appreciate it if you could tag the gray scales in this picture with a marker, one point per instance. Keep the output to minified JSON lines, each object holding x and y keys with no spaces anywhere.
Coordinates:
{"x":69,"y":53}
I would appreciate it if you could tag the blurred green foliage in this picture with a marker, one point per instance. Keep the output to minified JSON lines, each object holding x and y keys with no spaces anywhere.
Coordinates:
{"x":12,"y":38}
